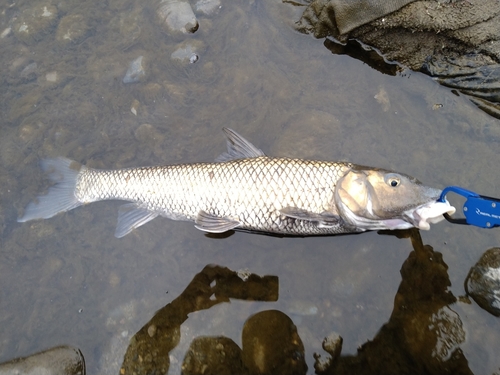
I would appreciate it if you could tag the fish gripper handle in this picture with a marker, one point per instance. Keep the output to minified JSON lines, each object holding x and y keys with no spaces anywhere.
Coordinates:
{"x":479,"y":210}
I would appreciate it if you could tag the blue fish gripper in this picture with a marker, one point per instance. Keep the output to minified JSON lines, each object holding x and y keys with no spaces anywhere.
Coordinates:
{"x":479,"y":210}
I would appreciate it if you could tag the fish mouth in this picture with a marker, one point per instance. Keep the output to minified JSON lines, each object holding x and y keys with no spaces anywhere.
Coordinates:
{"x":419,"y":217}
{"x":428,"y":213}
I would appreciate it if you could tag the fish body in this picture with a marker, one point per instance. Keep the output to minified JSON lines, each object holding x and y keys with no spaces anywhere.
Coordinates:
{"x":247,"y":190}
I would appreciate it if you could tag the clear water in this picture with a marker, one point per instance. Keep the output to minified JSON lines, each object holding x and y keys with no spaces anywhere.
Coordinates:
{"x":68,"y":280}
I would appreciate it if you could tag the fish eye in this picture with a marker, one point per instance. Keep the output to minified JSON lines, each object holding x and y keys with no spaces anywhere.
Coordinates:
{"x":392,"y":179}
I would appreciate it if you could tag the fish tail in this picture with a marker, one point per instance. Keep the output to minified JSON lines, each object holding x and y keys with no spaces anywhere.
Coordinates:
{"x":61,"y":196}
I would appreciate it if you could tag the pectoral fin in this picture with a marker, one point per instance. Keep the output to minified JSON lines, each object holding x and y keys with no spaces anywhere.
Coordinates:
{"x":131,"y":216}
{"x":324,"y":219}
{"x":214,"y":224}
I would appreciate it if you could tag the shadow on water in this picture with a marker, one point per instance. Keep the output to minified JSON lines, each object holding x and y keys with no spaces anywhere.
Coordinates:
{"x":422,"y":336}
{"x":369,"y":56}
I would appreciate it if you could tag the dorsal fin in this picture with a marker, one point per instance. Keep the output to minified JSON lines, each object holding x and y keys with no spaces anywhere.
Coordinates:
{"x":238,"y":147}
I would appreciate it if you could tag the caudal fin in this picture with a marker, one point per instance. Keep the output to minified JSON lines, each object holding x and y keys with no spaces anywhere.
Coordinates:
{"x":61,"y":196}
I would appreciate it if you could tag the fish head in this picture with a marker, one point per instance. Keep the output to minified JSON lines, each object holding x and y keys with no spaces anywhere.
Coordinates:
{"x":374,"y":199}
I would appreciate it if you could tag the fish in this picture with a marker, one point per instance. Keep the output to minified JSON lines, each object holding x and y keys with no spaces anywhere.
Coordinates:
{"x":246,"y":190}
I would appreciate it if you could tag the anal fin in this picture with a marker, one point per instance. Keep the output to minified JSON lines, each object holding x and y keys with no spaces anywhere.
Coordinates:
{"x":214,"y":224}
{"x":131,"y":216}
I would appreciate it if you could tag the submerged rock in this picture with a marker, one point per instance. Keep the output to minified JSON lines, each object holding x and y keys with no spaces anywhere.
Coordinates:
{"x":207,"y":7}
{"x":483,"y":281}
{"x":52,"y":77}
{"x":72,"y":29}
{"x":177,"y":16}
{"x":151,"y":92}
{"x":188,"y":52}
{"x":6,"y":32}
{"x":135,"y":72}
{"x":61,"y":360}
{"x":29,"y":73}
{"x":127,"y":26}
{"x":35,"y":22}
{"x":185,"y":54}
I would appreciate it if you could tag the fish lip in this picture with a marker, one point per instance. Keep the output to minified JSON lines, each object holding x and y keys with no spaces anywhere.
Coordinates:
{"x":420,"y":217}
{"x":428,"y":213}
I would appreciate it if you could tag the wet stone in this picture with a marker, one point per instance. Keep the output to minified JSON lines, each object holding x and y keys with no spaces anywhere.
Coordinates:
{"x":29,"y":73}
{"x":483,"y":281}
{"x":207,"y":7}
{"x":35,"y":22}
{"x":57,"y":360}
{"x":135,"y":106}
{"x":52,"y":77}
{"x":6,"y":32}
{"x":177,"y":93}
{"x":30,"y":130}
{"x":177,"y":17}
{"x":151,"y":92}
{"x":25,"y":105}
{"x":188,"y":52}
{"x":135,"y":72}
{"x":128,"y":26}
{"x":150,"y":138}
{"x":73,"y":28}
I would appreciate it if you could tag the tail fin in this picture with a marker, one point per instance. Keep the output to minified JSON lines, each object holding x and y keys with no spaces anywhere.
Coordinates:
{"x":61,"y":196}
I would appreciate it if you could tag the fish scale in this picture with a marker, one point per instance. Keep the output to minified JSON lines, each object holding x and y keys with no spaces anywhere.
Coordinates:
{"x":251,"y":191}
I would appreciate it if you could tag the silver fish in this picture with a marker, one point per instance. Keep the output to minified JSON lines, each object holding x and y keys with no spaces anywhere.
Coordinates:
{"x":247,"y":190}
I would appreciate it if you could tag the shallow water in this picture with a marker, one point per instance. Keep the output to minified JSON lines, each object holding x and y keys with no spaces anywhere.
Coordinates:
{"x":68,"y":280}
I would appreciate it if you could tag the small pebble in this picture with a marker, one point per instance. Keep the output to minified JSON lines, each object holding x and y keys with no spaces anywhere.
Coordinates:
{"x":135,"y":72}
{"x":6,"y":32}
{"x":51,"y":77}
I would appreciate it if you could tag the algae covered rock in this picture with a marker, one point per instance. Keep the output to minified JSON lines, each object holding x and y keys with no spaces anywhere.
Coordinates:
{"x":35,"y":22}
{"x":483,"y":281}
